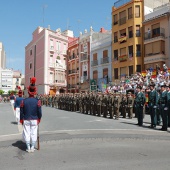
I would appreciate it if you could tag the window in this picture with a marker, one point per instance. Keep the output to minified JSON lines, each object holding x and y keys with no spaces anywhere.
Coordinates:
{"x":138,"y":68}
{"x":123,"y":33}
{"x":130,"y":31}
{"x":137,"y":30}
{"x":130,"y":70}
{"x":156,"y":30}
{"x":116,"y":73}
{"x":122,"y":16}
{"x":30,"y":52}
{"x":115,"y":21}
{"x":123,"y":51}
{"x":137,"y":11}
{"x":94,"y":56}
{"x":51,"y":45}
{"x":115,"y":37}
{"x":30,"y":65}
{"x":130,"y":13}
{"x":115,"y":55}
{"x":138,"y":50}
{"x":130,"y":48}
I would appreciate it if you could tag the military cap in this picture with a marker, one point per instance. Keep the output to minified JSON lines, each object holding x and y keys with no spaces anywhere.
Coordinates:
{"x":152,"y":84}
{"x":139,"y":87}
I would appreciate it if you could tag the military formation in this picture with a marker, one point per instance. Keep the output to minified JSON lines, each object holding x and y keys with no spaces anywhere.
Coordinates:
{"x":93,"y":103}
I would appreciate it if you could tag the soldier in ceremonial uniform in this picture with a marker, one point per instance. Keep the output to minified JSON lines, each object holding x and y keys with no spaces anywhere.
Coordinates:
{"x":98,"y":103}
{"x":110,"y":105}
{"x":123,"y":104}
{"x":153,"y":103}
{"x":163,"y":107}
{"x":130,"y":102}
{"x":17,"y":106}
{"x":139,"y":101}
{"x":116,"y":105}
{"x":30,"y":116}
{"x":104,"y":105}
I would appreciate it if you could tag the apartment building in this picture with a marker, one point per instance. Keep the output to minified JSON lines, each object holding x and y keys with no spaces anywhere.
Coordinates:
{"x":84,"y":59}
{"x":157,"y":37}
{"x":127,"y":40}
{"x":45,"y":58}
{"x":101,"y":58}
{"x":73,"y":66}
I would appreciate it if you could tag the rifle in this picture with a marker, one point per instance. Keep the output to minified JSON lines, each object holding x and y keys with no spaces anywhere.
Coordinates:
{"x":38,"y":139}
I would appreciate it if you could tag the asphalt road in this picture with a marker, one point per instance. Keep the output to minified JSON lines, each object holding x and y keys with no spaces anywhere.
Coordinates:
{"x":74,"y":141}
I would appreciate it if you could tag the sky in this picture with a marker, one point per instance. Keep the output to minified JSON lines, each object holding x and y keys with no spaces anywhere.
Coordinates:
{"x":20,"y":18}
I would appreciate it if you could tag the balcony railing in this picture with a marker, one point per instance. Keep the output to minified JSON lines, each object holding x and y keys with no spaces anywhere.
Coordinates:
{"x":84,"y":57}
{"x":159,"y":32}
{"x":151,"y":54}
{"x":138,"y":34}
{"x":138,"y":53}
{"x":60,"y":81}
{"x":122,"y":39}
{"x":115,"y":22}
{"x":74,"y":71}
{"x":122,"y":21}
{"x":94,"y":63}
{"x":115,"y":58}
{"x":104,"y":60}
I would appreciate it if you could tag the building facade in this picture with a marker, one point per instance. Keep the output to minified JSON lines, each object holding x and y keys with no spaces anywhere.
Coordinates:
{"x":45,"y":58}
{"x":157,"y":37}
{"x":101,"y":58}
{"x":127,"y":38}
{"x":73,"y":66}
{"x":6,"y":80}
{"x":84,"y":59}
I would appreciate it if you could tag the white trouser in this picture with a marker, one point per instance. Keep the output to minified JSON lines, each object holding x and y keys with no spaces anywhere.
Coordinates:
{"x":12,"y":102}
{"x":30,"y":131}
{"x":17,"y":114}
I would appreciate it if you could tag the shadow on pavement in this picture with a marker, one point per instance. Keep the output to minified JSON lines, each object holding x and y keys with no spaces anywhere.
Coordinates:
{"x":20,"y":145}
{"x":14,"y":123}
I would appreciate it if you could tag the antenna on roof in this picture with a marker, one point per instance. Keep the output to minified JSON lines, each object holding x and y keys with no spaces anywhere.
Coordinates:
{"x":44,"y":6}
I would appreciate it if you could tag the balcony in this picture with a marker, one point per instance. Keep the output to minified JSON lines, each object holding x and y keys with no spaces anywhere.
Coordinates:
{"x":60,"y":81}
{"x":122,"y":21}
{"x":138,"y":53}
{"x":72,"y":86}
{"x":156,"y":34}
{"x":123,"y":58}
{"x":115,"y":59}
{"x":138,"y":34}
{"x":83,"y":78}
{"x":105,"y":60}
{"x":52,"y":49}
{"x":84,"y":57}
{"x":94,"y":63}
{"x":115,"y":22}
{"x":122,"y":39}
{"x":154,"y":57}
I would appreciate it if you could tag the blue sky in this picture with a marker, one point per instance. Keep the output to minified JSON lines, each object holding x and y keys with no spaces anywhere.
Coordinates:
{"x":19,"y":18}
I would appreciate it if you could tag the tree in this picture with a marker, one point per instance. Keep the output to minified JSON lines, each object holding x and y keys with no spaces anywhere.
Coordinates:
{"x":1,"y":92}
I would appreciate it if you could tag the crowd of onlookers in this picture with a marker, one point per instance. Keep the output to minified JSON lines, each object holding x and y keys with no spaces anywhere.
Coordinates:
{"x":4,"y":99}
{"x":158,"y":77}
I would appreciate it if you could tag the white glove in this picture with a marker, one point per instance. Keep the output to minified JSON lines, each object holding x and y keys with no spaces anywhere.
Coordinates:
{"x":165,"y":108}
{"x":154,"y":107}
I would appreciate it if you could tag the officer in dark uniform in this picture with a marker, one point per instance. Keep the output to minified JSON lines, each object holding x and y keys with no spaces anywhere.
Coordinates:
{"x":140,"y":100}
{"x":153,"y":102}
{"x":104,"y":105}
{"x":168,"y":103}
{"x":163,"y":107}
{"x":110,"y":105}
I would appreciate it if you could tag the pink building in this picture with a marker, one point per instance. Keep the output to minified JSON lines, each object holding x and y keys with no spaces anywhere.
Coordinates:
{"x":45,"y":58}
